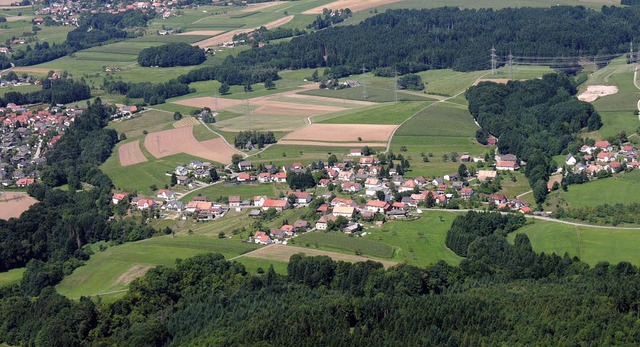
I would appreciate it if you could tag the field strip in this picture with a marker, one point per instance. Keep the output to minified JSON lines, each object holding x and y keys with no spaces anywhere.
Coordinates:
{"x":353,"y":5}
{"x":228,"y":36}
{"x":327,"y":99}
{"x":12,"y":204}
{"x":202,"y":33}
{"x":130,"y":154}
{"x":260,"y":6}
{"x":331,"y":144}
{"x":283,"y":253}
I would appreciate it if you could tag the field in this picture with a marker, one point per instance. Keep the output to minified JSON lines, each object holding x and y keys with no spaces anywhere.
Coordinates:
{"x":181,"y":140}
{"x":13,"y":204}
{"x":282,"y":253}
{"x":131,"y":154}
{"x":591,"y":245}
{"x":346,"y":243}
{"x":353,"y":5}
{"x":379,"y":114}
{"x":111,"y":270}
{"x":228,"y":36}
{"x":245,"y":191}
{"x":621,"y":188}
{"x":336,"y":133}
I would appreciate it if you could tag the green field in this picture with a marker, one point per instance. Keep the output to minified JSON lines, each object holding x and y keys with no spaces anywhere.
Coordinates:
{"x":102,"y":272}
{"x":621,"y":188}
{"x":151,"y":121}
{"x":245,"y":191}
{"x":10,"y":277}
{"x":201,"y":133}
{"x":385,"y":114}
{"x":591,"y":245}
{"x":340,"y":242}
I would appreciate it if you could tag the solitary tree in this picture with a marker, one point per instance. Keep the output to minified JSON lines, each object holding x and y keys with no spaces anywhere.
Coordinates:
{"x":177,"y":116}
{"x":224,"y":89}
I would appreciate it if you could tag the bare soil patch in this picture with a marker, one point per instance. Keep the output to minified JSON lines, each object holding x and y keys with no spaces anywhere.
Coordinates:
{"x":7,"y":2}
{"x":353,"y":5}
{"x":12,"y":204}
{"x":130,"y":154}
{"x":594,"y":92}
{"x":133,"y":273}
{"x":260,"y":6}
{"x":37,"y":70}
{"x":186,"y":122}
{"x":331,"y":144}
{"x":169,"y":142}
{"x":203,"y":32}
{"x":228,"y":36}
{"x":494,"y":80}
{"x":343,"y":132}
{"x":283,"y":253}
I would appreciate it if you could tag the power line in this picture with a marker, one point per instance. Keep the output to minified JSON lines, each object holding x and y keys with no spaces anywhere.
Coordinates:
{"x":494,"y":58}
{"x":364,"y":82}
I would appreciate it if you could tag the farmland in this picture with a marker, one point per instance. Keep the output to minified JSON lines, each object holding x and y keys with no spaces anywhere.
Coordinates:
{"x":621,"y":188}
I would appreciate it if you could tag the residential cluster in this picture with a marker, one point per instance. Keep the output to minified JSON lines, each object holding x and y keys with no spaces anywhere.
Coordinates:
{"x":603,"y":158}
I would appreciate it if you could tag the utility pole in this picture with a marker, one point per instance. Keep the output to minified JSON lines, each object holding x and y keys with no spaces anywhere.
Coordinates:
{"x":510,"y":66}
{"x":364,"y":82}
{"x":494,"y":60}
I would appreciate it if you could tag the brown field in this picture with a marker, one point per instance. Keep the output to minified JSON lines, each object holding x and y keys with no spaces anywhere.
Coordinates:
{"x":594,"y":92}
{"x":169,"y":142}
{"x":13,"y":204}
{"x":331,"y":144}
{"x":353,"y":5}
{"x":343,"y":132}
{"x":186,"y":122}
{"x":7,"y":2}
{"x":260,"y":6}
{"x":293,"y":109}
{"x":228,"y":36}
{"x":36,"y":70}
{"x":133,"y":273}
{"x":130,"y":154}
{"x":283,"y":253}
{"x":207,"y":101}
{"x":203,"y":32}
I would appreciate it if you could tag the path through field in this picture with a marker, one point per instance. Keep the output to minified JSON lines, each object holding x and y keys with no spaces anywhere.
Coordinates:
{"x":228,"y":36}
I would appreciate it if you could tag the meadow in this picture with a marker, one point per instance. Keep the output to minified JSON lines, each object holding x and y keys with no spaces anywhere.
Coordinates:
{"x":11,"y":277}
{"x":245,"y":191}
{"x":395,"y":113}
{"x":621,"y":188}
{"x":591,"y":245}
{"x":339,"y":242}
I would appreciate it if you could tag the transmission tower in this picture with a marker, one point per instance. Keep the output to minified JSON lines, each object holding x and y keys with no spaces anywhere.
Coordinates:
{"x":510,"y":66}
{"x":395,"y":96}
{"x":631,"y":58}
{"x":494,"y":60}
{"x":364,"y":82}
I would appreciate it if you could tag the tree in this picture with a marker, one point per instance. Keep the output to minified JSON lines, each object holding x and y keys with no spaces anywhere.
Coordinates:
{"x":224,"y":89}
{"x":174,"y":179}
{"x":269,"y":84}
{"x":177,"y":116}
{"x":248,"y":88}
{"x":213,"y":174}
{"x":235,"y":159}
{"x":123,"y":136}
{"x":462,"y":170}
{"x":380,"y":195}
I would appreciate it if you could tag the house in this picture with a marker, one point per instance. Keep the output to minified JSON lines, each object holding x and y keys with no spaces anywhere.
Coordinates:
{"x":195,"y":165}
{"x":264,"y":177}
{"x":277,"y":233}
{"x":351,"y":227}
{"x":497,"y":198}
{"x":615,"y":166}
{"x":234,"y":201}
{"x":259,"y":200}
{"x":491,"y":140}
{"x":355,"y":152}
{"x":604,"y":145}
{"x":368,"y":161}
{"x":262,"y":238}
{"x":420,"y":181}
{"x":183,"y":180}
{"x":441,"y":190}
{"x":324,"y":208}
{"x":451,"y":177}
{"x":322,"y":223}
{"x":437,"y":181}
{"x":144,"y":204}
{"x":507,"y":165}
{"x":302,"y":197}
{"x":165,"y":194}
{"x":175,"y":205}
{"x":346,"y":176}
{"x":465,"y":158}
{"x":300,"y":225}
{"x":570,"y":159}
{"x":408,"y":186}
{"x":397,"y":214}
{"x":344,"y":211}
{"x":377,"y":206}
{"x":26,"y":181}
{"x":117,"y":197}
{"x":255,"y":213}
{"x":181,"y":171}
{"x":343,"y":202}
{"x":324,"y":182}
{"x":372,"y":182}
{"x":243,"y":177}
{"x":604,"y":157}
{"x":280,"y":177}
{"x":278,"y":205}
{"x":409,"y":201}
{"x":351,"y":187}
{"x":466,"y":193}
{"x":244,"y":165}
{"x":525,"y":210}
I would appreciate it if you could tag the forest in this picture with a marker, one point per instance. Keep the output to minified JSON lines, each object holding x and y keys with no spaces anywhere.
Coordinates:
{"x":534,"y":119}
{"x":500,"y":294}
{"x":58,"y":91}
{"x":151,"y":93}
{"x":172,"y":54}
{"x":453,"y":38}
{"x":255,"y":138}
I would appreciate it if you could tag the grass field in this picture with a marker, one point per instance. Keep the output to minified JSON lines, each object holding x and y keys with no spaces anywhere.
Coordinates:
{"x":150,"y":121}
{"x":245,"y":191}
{"x":10,"y":277}
{"x":201,"y":133}
{"x":340,"y":242}
{"x":591,"y":245}
{"x":104,"y":272}
{"x":385,"y":114}
{"x":621,"y":188}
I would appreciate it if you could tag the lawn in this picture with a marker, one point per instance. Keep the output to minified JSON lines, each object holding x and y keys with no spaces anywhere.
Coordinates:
{"x":621,"y":188}
{"x":10,"y":277}
{"x":339,"y":242}
{"x":384,"y":114}
{"x":282,"y":154}
{"x":21,"y":89}
{"x":105,"y":271}
{"x":201,"y":133}
{"x":591,"y":245}
{"x":245,"y":191}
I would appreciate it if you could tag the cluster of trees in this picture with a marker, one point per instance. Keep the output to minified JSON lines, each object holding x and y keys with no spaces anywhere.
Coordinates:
{"x":301,"y":181}
{"x":533,"y":119}
{"x":5,"y":63}
{"x":431,"y":39}
{"x":257,"y":138}
{"x":151,"y":93}
{"x":231,"y":74}
{"x":490,"y":298}
{"x":93,"y":30}
{"x":615,"y":214}
{"x":411,"y":82}
{"x":466,"y":229}
{"x":59,"y":91}
{"x":262,"y":34}
{"x":329,"y":17}
{"x":172,"y":54}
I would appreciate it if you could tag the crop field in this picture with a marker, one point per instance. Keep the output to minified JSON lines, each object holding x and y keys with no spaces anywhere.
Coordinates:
{"x":131,"y":154}
{"x":382,"y":114}
{"x":150,"y":121}
{"x":245,"y":191}
{"x":621,"y":188}
{"x":112,"y":269}
{"x":591,"y":245}
{"x":284,"y":253}
{"x":12,"y":204}
{"x":10,"y":277}
{"x":181,"y":140}
{"x":344,"y":243}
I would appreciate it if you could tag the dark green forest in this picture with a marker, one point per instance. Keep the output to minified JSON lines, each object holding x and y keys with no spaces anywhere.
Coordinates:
{"x":501,"y":294}
{"x":59,"y":91}
{"x":172,"y":54}
{"x":534,"y":119}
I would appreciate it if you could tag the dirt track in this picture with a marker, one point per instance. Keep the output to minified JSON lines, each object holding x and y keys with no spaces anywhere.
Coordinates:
{"x":13,"y":204}
{"x":228,"y":36}
{"x":169,"y":142}
{"x":130,"y":154}
{"x":353,"y":5}
{"x":283,"y":253}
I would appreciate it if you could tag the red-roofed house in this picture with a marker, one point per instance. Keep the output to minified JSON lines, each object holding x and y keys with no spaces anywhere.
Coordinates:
{"x":278,"y":205}
{"x":262,"y":238}
{"x":377,"y":206}
{"x":351,"y":187}
{"x":144,"y":204}
{"x":497,"y":198}
{"x":243,"y":177}
{"x":604,"y":145}
{"x":165,"y":194}
{"x":117,"y":197}
{"x":507,"y":165}
{"x":301,"y":197}
{"x":604,"y":157}
{"x":466,"y":193}
{"x":355,"y":152}
{"x":280,"y":177}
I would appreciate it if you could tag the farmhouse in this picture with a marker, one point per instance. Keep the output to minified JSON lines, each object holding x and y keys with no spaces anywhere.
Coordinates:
{"x":262,"y":238}
{"x":278,"y":205}
{"x":301,"y":197}
{"x":234,"y":201}
{"x":244,"y":165}
{"x":344,"y":211}
{"x":507,"y":165}
{"x":324,"y":220}
{"x":377,"y":206}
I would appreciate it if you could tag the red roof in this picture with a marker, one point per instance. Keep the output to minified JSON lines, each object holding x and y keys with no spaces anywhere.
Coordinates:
{"x":603,"y":144}
{"x":377,"y":203}
{"x":275,"y":203}
{"x":506,"y":164}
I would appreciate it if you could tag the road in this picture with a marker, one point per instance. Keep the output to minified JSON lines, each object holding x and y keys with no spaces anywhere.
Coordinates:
{"x":546,"y":219}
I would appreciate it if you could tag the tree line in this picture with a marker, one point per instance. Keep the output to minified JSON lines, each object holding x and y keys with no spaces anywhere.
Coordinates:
{"x":534,"y":119}
{"x":58,"y":91}
{"x":500,"y":293}
{"x":151,"y":93}
{"x":257,"y":138}
{"x":172,"y":54}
